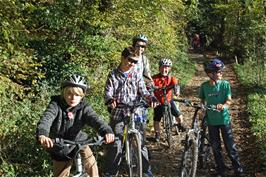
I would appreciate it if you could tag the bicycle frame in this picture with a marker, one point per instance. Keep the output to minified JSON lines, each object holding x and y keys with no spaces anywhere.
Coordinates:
{"x":132,"y":142}
{"x":168,"y":120}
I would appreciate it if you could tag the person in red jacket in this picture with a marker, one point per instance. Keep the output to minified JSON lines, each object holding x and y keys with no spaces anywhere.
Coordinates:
{"x":164,"y":79}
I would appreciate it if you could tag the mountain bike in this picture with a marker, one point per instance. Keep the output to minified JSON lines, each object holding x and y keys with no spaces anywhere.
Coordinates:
{"x":78,"y":145}
{"x":132,"y":139}
{"x":168,"y":119}
{"x":197,"y":149}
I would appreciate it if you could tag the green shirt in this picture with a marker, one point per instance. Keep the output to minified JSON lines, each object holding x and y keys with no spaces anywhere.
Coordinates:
{"x":214,"y":95}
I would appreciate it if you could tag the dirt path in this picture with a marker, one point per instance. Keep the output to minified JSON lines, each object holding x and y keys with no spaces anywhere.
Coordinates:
{"x":165,"y":162}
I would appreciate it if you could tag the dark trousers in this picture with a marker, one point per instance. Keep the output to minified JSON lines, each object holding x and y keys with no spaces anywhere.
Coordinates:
{"x":114,"y":152}
{"x":215,"y":140}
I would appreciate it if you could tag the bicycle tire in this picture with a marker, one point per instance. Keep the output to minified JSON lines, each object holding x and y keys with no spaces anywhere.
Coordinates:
{"x":189,"y":159}
{"x":168,"y":127}
{"x":204,"y":152}
{"x":134,"y":155}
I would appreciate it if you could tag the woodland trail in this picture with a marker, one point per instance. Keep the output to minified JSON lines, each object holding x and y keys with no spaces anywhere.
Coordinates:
{"x":166,"y":162}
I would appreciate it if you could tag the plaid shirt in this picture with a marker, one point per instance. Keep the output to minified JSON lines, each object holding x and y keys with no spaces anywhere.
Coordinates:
{"x":124,"y":89}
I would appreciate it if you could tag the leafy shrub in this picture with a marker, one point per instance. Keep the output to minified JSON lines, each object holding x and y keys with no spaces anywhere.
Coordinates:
{"x":257,"y":110}
{"x":20,"y":154}
{"x":252,"y":73}
{"x":251,"y":76}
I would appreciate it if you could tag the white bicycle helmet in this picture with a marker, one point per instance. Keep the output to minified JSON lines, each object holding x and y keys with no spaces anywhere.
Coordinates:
{"x":76,"y":81}
{"x":165,"y":62}
{"x":140,"y":37}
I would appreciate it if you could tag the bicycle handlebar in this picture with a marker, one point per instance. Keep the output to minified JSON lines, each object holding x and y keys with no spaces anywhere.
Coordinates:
{"x":97,"y":141}
{"x":197,"y":105}
{"x":132,"y":105}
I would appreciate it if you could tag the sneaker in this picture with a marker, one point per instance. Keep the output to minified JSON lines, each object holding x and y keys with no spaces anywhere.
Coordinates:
{"x":157,"y":137}
{"x":148,"y":174}
{"x":181,"y":127}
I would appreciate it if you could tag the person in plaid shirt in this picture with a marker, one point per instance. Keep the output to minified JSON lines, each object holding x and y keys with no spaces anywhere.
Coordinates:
{"x":123,"y":86}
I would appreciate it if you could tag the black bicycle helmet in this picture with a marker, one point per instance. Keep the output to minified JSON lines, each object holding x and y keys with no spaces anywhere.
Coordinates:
{"x":165,"y":62}
{"x":214,"y":65}
{"x":76,"y":81}
{"x":140,"y":37}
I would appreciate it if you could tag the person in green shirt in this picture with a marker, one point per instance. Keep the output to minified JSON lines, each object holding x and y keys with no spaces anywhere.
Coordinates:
{"x":217,"y":92}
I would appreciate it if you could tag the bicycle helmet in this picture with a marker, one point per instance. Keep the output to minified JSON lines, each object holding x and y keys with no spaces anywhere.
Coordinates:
{"x":140,"y":37}
{"x":214,"y":65}
{"x":165,"y":62}
{"x":76,"y":81}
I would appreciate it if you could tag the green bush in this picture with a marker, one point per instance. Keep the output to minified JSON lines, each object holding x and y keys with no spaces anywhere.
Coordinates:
{"x":20,"y":154}
{"x":252,"y":73}
{"x":257,"y":111}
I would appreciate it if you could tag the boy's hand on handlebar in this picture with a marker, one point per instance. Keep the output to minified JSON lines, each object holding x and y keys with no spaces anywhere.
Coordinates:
{"x":109,"y":138}
{"x":45,"y":141}
{"x":154,"y":102}
{"x":111,"y":103}
{"x":219,"y":107}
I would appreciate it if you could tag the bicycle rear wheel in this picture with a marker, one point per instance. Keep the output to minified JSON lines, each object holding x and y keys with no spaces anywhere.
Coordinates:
{"x":189,"y":159}
{"x":134,"y":155}
{"x":167,"y":118}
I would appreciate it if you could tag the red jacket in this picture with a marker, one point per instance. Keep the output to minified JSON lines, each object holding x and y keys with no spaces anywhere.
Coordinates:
{"x":164,"y":81}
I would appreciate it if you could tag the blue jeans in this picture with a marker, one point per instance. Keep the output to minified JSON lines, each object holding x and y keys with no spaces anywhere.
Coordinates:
{"x":215,"y":140}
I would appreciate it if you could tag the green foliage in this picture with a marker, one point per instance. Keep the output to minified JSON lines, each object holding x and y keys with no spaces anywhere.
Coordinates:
{"x":19,"y":150}
{"x":252,"y":73}
{"x":7,"y":169}
{"x":257,"y":110}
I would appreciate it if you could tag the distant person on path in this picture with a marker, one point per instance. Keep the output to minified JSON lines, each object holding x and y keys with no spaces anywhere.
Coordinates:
{"x":196,"y":42}
{"x":164,"y":79}
{"x":203,"y":41}
{"x":64,"y":118}
{"x":217,"y":92}
{"x":123,"y":86}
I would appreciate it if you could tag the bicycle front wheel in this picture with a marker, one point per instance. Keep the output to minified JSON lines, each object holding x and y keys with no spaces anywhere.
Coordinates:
{"x":189,"y":159}
{"x":204,"y":151}
{"x":167,"y":118}
{"x":134,"y":155}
